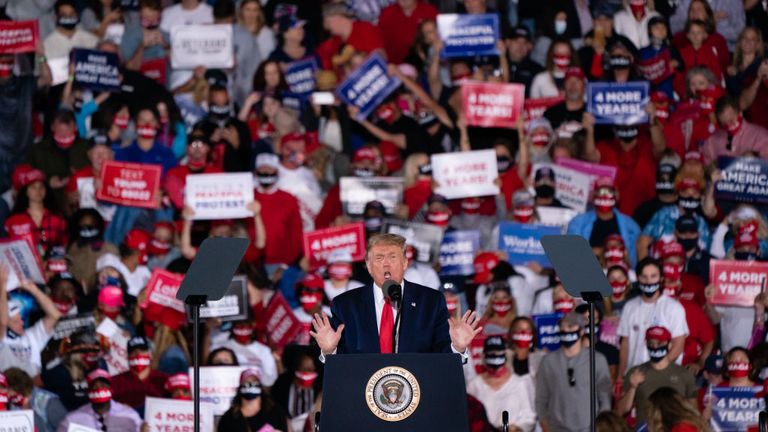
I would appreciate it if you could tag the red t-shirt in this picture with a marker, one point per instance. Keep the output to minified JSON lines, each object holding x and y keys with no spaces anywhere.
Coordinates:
{"x":678,"y":126}
{"x":282,"y":223}
{"x":128,"y":389}
{"x":417,"y":195}
{"x":704,"y":56}
{"x":399,"y":30}
{"x":331,"y":209}
{"x":365,"y":37}
{"x":636,"y":176}
{"x":510,"y":182}
{"x":700,"y":331}
{"x":693,"y":289}
{"x":716,"y":40}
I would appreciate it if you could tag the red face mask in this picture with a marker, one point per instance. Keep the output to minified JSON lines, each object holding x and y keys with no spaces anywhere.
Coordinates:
{"x":100,"y":396}
{"x":638,"y":8}
{"x":64,"y":141}
{"x":739,"y":369}
{"x":340,"y":271}
{"x":604,"y":203}
{"x":438,"y":218}
{"x":707,"y":98}
{"x":139,"y":363}
{"x":563,"y":305}
{"x":561,"y":61}
{"x":672,"y":272}
{"x":63,"y":306}
{"x":522,"y":339}
{"x":523,"y":214}
{"x":242,"y":335}
{"x":662,"y":113}
{"x":196,"y":165}
{"x":6,"y":67}
{"x":613,"y":254}
{"x":3,"y":400}
{"x":146,"y":131}
{"x":121,"y":122}
{"x":90,"y":359}
{"x":305,"y":379}
{"x":111,"y":313}
{"x":310,"y":299}
{"x":470,"y":206}
{"x":496,"y":372}
{"x":386,"y":113}
{"x":157,"y":247}
{"x":18,"y":400}
{"x":187,"y":397}
{"x":452,"y":305}
{"x":540,"y":139}
{"x":735,"y":126}
{"x":501,"y":307}
{"x":617,"y":289}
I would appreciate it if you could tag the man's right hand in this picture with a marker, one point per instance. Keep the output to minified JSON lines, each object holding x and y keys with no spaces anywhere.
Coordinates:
{"x":327,"y":339}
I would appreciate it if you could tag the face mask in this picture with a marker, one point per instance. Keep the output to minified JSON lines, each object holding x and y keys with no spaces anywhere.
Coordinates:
{"x":364,"y":172}
{"x":561,"y":61}
{"x":372,"y":224}
{"x":90,"y":359}
{"x":100,"y":396}
{"x":111,"y":313}
{"x":139,"y":363}
{"x":64,"y":141}
{"x":688,"y":243}
{"x":627,"y":134}
{"x":196,"y":165}
{"x":662,"y":113}
{"x":707,"y":98}
{"x":121,"y":122}
{"x":146,"y":131}
{"x":619,"y":62}
{"x":67,"y":22}
{"x":187,"y":397}
{"x":18,"y":400}
{"x":523,"y":214}
{"x":503,"y":163}
{"x":310,"y":300}
{"x":614,"y":254}
{"x":242,"y":335}
{"x":672,"y":272}
{"x":617,"y":289}
{"x":657,"y":354}
{"x":157,"y":247}
{"x":734,"y":127}
{"x":560,"y":26}
{"x":745,"y":256}
{"x":438,"y":218}
{"x":648,"y":290}
{"x":540,"y":140}
{"x":664,"y":187}
{"x":426,"y":169}
{"x":563,"y":305}
{"x":63,"y":306}
{"x":604,"y":203}
{"x":568,"y":339}
{"x":88,"y":232}
{"x":522,"y":339}
{"x":495,"y":361}
{"x":470,"y":206}
{"x":219,"y":111}
{"x":340,"y":271}
{"x":266,"y":180}
{"x":452,"y":305}
{"x":544,"y":191}
{"x":306,"y":379}
{"x":501,"y":307}
{"x":689,"y":205}
{"x":250,"y":391}
{"x":386,"y":114}
{"x":3,"y":400}
{"x":738,"y":369}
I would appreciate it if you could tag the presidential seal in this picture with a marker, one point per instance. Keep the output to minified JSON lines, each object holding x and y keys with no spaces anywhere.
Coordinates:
{"x":392,"y":393}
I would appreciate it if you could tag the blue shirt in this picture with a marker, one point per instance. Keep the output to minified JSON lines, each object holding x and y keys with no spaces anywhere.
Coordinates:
{"x":663,"y":224}
{"x":158,"y":154}
{"x":628,"y":229}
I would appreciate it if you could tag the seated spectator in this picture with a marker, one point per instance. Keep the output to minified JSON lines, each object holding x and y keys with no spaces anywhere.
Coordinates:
{"x":102,"y":412}
{"x":67,"y":34}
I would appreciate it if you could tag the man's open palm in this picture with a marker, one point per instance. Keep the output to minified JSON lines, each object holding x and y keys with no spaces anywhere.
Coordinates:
{"x":327,"y":338}
{"x":464,"y":330}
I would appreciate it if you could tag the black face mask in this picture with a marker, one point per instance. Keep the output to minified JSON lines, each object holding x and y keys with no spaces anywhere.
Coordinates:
{"x":597,"y":330}
{"x":88,"y":232}
{"x":689,"y":205}
{"x":688,"y":243}
{"x":658,"y":354}
{"x":67,"y":22}
{"x":425,"y":169}
{"x":745,"y":256}
{"x":503,"y":163}
{"x":619,"y":62}
{"x":495,"y":361}
{"x":250,"y":391}
{"x":545,"y":191}
{"x":626,"y":134}
{"x":372,"y":225}
{"x":664,"y":187}
{"x":219,"y":111}
{"x":266,"y":180}
{"x":649,"y":290}
{"x":568,"y":339}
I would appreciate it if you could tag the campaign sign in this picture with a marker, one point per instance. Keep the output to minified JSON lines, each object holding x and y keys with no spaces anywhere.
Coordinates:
{"x":117,"y":357}
{"x":457,"y":252}
{"x":156,"y":69}
{"x":300,"y":76}
{"x":281,"y":324}
{"x":522,"y":242}
{"x":555,"y":216}
{"x":96,"y":70}
{"x":492,"y":104}
{"x":219,"y":196}
{"x":737,"y":282}
{"x":618,"y":103}
{"x":572,"y":187}
{"x":79,"y":428}
{"x":735,"y":408}
{"x":233,"y":306}
{"x":218,"y":386}
{"x":22,"y":260}
{"x":547,"y":331}
{"x":318,"y":244}
{"x":114,"y":33}
{"x":466,"y":35}
{"x":17,"y":37}
{"x":17,"y":421}
{"x":356,"y":192}
{"x":68,"y":325}
{"x":534,"y":108}
{"x":176,"y":415}
{"x":593,"y":170}
{"x":425,"y":238}
{"x":657,"y":68}
{"x":742,"y":179}
{"x":367,"y":86}
{"x":208,"y":45}
{"x":59,"y":68}
{"x":130,"y":184}
{"x":465,"y":174}
{"x":161,"y":303}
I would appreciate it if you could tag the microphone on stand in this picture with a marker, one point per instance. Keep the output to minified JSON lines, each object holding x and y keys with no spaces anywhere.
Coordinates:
{"x":394,"y":292}
{"x":504,"y":421}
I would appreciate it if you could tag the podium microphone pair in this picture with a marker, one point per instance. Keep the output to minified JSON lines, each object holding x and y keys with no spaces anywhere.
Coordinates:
{"x":394,"y":292}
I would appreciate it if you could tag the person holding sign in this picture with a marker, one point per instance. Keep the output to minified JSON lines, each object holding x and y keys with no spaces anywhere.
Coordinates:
{"x":348,"y":36}
{"x":738,"y":372}
{"x":145,"y":148}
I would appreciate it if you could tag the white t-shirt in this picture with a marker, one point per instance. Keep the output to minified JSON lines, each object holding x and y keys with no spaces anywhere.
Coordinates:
{"x":735,"y":326}
{"x":637,"y":316}
{"x":177,"y":15}
{"x":303,"y":185}
{"x":57,"y":45}
{"x":331,"y":292}
{"x":516,"y":396}
{"x":255,"y":354}
{"x":25,"y":350}
{"x":422,"y":274}
{"x":544,"y":86}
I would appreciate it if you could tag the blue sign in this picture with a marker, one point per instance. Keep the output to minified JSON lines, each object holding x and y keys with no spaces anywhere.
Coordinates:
{"x":457,"y":252}
{"x":522,"y":242}
{"x":96,"y":70}
{"x":618,"y":103}
{"x":468,"y":35}
{"x":742,"y":179}
{"x":735,"y":408}
{"x":547,"y":331}
{"x":300,"y":76}
{"x":367,"y":86}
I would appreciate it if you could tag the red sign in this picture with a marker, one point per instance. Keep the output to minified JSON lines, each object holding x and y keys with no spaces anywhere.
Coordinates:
{"x":318,"y":244}
{"x":737,"y":282}
{"x":492,"y":104}
{"x":155,"y":69}
{"x":281,"y":325}
{"x":656,"y":69}
{"x":533,"y":109}
{"x":161,"y":303}
{"x":18,"y":37}
{"x":130,"y":184}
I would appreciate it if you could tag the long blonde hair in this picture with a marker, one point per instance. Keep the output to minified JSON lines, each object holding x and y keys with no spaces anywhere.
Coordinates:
{"x":164,"y":339}
{"x":738,"y":54}
{"x":260,"y":20}
{"x":668,"y":409}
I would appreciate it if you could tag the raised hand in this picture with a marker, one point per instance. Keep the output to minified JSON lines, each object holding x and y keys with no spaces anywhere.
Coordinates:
{"x":327,"y":338}
{"x":464,"y":330}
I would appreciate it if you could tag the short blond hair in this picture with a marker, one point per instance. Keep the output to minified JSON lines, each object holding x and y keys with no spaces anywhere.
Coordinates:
{"x":384,"y":239}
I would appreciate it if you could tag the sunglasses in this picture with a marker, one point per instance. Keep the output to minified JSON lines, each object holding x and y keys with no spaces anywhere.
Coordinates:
{"x":571,"y":377}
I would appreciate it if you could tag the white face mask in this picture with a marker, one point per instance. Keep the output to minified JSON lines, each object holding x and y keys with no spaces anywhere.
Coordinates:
{"x":330,"y":134}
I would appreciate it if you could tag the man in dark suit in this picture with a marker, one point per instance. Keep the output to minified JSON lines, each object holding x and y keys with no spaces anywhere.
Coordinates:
{"x":363,"y":318}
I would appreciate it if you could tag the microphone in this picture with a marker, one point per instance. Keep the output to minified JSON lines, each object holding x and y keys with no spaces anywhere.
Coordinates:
{"x":505,"y":421}
{"x":394,"y":292}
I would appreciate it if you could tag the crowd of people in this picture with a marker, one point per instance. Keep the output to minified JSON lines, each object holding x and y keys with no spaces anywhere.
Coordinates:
{"x":663,"y":343}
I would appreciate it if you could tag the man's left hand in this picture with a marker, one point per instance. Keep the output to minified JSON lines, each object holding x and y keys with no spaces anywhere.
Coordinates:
{"x":464,"y":330}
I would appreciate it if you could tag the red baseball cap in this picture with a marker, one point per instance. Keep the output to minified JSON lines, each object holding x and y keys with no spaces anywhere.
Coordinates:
{"x":575,"y":72}
{"x":312,"y":281}
{"x":137,"y":239}
{"x":658,"y":333}
{"x":293,"y":136}
{"x":694,"y":155}
{"x":484,"y":263}
{"x":177,"y":381}
{"x":24,"y":175}
{"x":672,"y":249}
{"x":248,"y":373}
{"x":98,"y":374}
{"x":659,"y":97}
{"x":366,"y":154}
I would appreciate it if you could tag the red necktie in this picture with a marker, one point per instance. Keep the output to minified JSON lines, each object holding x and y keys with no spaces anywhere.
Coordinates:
{"x":385,"y":329}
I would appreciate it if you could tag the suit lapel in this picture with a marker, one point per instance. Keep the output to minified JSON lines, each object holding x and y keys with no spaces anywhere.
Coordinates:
{"x":370,"y":328}
{"x":407,"y":320}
